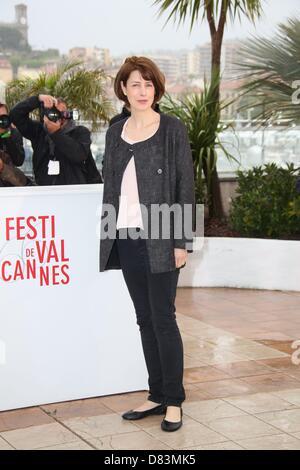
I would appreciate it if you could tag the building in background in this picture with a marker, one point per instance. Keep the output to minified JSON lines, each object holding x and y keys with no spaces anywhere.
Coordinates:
{"x":190,"y":64}
{"x":21,"y":20}
{"x":230,"y":94}
{"x":14,"y":36}
{"x":92,"y":56}
{"x":168,"y":64}
{"x":204,"y":54}
{"x":6,"y":71}
{"x":231,"y":59}
{"x":28,"y":72}
{"x":2,"y":91}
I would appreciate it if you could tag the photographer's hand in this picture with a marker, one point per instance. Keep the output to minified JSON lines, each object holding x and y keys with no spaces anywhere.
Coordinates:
{"x":52,"y":126}
{"x":48,"y":101}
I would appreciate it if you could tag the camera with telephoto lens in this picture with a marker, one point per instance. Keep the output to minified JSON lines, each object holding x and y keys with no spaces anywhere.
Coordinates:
{"x":5,"y":121}
{"x":54,"y":114}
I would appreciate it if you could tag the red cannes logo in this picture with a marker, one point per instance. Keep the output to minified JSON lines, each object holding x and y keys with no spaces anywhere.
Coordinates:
{"x":41,"y":256}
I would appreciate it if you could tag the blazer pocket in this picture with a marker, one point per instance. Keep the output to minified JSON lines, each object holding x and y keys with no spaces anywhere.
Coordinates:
{"x":156,"y":161}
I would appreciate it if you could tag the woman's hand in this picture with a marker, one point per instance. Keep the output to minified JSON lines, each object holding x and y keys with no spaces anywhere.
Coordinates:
{"x":180,"y":257}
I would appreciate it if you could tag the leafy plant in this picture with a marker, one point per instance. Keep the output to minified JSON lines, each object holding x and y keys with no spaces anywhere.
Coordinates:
{"x":82,"y":89}
{"x":267,"y":202}
{"x":200,"y":113}
{"x":217,"y":13}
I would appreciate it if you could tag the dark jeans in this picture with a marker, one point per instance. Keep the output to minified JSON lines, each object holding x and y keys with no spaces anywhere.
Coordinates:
{"x":153,"y":296}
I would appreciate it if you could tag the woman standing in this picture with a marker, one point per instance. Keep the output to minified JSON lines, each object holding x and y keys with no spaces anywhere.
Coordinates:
{"x":148,"y":163}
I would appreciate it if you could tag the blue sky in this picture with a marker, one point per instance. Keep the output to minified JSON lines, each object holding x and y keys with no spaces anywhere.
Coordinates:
{"x":126,"y":26}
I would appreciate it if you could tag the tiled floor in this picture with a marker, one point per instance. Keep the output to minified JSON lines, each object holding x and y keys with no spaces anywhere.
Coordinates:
{"x":243,"y":390}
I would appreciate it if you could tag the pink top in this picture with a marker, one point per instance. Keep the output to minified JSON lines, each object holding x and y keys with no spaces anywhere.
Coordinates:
{"x":130,"y":214}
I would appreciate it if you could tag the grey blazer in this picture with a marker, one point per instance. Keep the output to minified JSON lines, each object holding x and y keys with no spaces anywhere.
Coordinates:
{"x":164,"y":169}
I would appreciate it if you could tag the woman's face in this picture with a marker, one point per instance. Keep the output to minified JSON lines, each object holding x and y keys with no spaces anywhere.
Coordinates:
{"x":140,"y":93}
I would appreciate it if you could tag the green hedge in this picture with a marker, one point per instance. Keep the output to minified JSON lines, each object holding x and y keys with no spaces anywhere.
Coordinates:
{"x":267,"y":203}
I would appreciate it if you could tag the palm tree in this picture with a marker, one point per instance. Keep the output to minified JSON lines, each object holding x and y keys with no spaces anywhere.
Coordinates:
{"x":217,"y":13}
{"x":197,"y":111}
{"x":82,"y":89}
{"x":272,"y":73}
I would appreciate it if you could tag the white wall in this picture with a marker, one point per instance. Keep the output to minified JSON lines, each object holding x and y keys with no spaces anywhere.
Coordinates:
{"x":72,"y":341}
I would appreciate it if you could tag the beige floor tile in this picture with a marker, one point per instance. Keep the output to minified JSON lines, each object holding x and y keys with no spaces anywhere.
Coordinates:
{"x":152,"y":422}
{"x":227,"y":445}
{"x":203,"y":374}
{"x":192,"y":433}
{"x":244,"y":369}
{"x":192,"y":346}
{"x":73,"y":409}
{"x":139,"y":440}
{"x":242,"y":427}
{"x":295,"y":374}
{"x":125,"y":401}
{"x":23,"y":418}
{"x":229,"y":342}
{"x":215,"y":334}
{"x":4,"y":445}
{"x":226,"y":388}
{"x":253,"y":351}
{"x":219,"y":327}
{"x":100,"y":426}
{"x":209,"y":410}
{"x":196,"y":395}
{"x":214,"y":356}
{"x":155,"y":421}
{"x":284,"y":346}
{"x":271,"y":382}
{"x":39,"y":436}
{"x":292,"y":396}
{"x":191,"y":362}
{"x":206,"y":333}
{"x":259,"y":403}
{"x":188,"y":338}
{"x":271,"y":336}
{"x":277,"y":442}
{"x":283,"y":364}
{"x":287,"y":420}
{"x":76,"y":445}
{"x":263,"y":353}
{"x":223,"y":357}
{"x":227,"y":307}
{"x":188,"y":321}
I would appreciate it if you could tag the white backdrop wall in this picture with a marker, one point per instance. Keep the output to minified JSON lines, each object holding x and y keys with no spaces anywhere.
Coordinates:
{"x":62,"y":341}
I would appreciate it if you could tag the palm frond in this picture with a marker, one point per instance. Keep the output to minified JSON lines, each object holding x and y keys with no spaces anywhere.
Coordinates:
{"x":201,"y":115}
{"x":270,"y":68}
{"x":180,"y":10}
{"x":82,"y":89}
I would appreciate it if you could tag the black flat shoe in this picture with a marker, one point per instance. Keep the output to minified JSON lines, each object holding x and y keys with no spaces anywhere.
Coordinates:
{"x":133,"y":415}
{"x":171,"y":427}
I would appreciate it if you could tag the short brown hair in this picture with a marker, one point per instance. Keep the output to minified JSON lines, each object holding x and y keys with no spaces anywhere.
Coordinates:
{"x":149,"y":71}
{"x":61,"y":100}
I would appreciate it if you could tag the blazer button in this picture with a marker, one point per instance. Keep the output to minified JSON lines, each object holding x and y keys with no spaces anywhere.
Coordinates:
{"x":159,"y":171}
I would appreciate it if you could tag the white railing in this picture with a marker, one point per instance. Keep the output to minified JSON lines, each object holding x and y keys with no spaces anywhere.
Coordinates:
{"x":249,"y":145}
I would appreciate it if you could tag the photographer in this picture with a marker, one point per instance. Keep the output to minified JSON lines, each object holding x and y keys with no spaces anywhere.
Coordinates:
{"x":61,"y":150}
{"x":11,"y":152}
